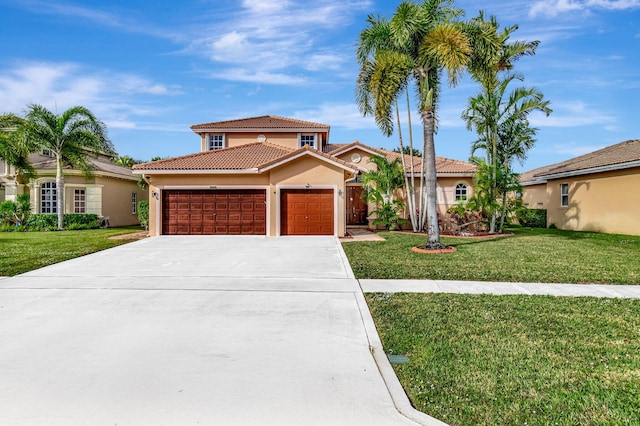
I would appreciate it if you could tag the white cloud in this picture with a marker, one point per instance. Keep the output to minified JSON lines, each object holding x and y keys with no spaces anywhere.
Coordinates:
{"x":59,"y":86}
{"x":344,"y":115}
{"x":572,"y":114}
{"x":551,"y":8}
{"x":575,"y":151}
{"x":261,"y":77}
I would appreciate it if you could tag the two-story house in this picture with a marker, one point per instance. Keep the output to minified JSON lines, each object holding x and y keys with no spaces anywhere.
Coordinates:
{"x":270,"y":176}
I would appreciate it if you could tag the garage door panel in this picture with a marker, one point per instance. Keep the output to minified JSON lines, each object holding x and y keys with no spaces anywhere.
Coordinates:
{"x":307,"y":212}
{"x":209,"y":212}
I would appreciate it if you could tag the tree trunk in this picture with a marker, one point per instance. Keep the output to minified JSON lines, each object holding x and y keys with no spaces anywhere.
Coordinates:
{"x":59,"y":192}
{"x":429,"y":157}
{"x":504,"y":210}
{"x":408,"y":188}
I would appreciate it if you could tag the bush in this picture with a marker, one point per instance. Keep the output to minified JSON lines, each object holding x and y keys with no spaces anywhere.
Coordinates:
{"x":49,"y":222}
{"x":15,"y":212}
{"x":143,"y":214}
{"x":532,"y":218}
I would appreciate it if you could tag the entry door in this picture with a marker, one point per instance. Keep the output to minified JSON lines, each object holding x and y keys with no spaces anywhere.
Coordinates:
{"x":357,"y":210}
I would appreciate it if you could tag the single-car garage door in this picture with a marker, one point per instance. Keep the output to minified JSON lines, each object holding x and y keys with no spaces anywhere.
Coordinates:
{"x":306,"y":212}
{"x":214,"y":212}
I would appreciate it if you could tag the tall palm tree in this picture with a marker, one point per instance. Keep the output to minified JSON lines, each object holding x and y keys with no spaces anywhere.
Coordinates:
{"x":500,"y":119}
{"x":71,"y":136}
{"x":14,"y":149}
{"x":493,"y":54}
{"x":412,"y":48}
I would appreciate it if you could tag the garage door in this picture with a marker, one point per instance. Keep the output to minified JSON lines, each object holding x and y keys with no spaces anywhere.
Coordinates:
{"x":220,"y":212}
{"x":306,"y":212}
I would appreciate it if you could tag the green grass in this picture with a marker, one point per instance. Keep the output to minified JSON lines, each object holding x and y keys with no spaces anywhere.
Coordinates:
{"x":24,"y":251}
{"x":515,"y":360}
{"x":531,"y":255}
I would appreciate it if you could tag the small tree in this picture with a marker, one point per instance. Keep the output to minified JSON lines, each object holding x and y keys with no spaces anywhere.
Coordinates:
{"x":15,"y":212}
{"x":143,"y":214}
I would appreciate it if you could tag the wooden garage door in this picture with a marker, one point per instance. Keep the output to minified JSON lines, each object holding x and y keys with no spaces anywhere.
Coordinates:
{"x":306,"y":212}
{"x":220,"y":212}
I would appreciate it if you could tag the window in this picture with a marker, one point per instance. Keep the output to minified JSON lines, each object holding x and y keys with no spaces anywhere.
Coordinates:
{"x":216,"y":142}
{"x":134,"y":203}
{"x":564,"y":195}
{"x":48,"y":198}
{"x":79,"y":201}
{"x":308,"y":139}
{"x":461,"y":192}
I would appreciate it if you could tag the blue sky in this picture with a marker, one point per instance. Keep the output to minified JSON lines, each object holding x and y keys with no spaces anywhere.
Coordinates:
{"x":150,"y":69}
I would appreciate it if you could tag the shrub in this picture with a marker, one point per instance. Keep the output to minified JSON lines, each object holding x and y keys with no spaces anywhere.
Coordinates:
{"x":532,"y":218}
{"x":49,"y":222}
{"x":15,"y":212}
{"x":387,"y":215}
{"x":143,"y":214}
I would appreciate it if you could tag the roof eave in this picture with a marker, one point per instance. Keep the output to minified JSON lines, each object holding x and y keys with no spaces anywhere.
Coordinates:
{"x":195,"y":171}
{"x":601,"y":169}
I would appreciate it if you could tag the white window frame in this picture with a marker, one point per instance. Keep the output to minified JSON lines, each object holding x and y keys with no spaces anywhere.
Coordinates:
{"x":216,"y":141}
{"x":302,"y":142}
{"x":461,"y":197}
{"x":564,"y":195}
{"x":134,"y":203}
{"x":48,"y":198}
{"x":80,"y":205}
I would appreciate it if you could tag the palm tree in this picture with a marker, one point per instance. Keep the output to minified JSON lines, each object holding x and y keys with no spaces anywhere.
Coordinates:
{"x":13,"y":149}
{"x":413,"y":47}
{"x":380,"y":184}
{"x":492,"y":55}
{"x":71,"y":137}
{"x":505,"y":135}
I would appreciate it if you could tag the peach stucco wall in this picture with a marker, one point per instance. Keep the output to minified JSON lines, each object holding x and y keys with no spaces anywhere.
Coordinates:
{"x":233,"y":139}
{"x":117,"y":200}
{"x":296,"y":173}
{"x":603,"y":202}
{"x":535,"y":196}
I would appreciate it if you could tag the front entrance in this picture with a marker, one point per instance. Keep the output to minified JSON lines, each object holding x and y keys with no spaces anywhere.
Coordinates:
{"x":357,"y":210}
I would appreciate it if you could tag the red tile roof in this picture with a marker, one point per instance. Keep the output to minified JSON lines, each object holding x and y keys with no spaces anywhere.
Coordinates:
{"x":612,"y":156}
{"x":265,"y":122}
{"x":244,"y":157}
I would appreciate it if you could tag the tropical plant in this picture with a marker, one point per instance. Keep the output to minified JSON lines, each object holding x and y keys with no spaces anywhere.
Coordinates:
{"x":380,"y":184}
{"x":500,"y":120}
{"x":71,"y":136}
{"x":15,"y":212}
{"x":126,"y":161}
{"x":408,"y":151}
{"x":413,"y":47}
{"x":143,"y":214}
{"x":14,"y":150}
{"x":387,"y":214}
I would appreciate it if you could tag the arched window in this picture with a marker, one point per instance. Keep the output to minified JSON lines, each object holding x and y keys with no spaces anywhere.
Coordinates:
{"x":461,"y":192}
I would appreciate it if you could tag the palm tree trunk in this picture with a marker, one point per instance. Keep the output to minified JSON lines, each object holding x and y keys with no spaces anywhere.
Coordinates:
{"x":60,"y":191}
{"x":417,"y":227}
{"x":429,"y":158}
{"x":504,"y":210}
{"x":408,"y":189}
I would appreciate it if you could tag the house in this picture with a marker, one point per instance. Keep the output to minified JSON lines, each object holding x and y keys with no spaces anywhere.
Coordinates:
{"x":271,"y":176}
{"x":592,"y":192}
{"x":111,"y":192}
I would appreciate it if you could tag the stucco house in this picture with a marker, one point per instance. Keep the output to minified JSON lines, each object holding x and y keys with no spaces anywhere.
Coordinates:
{"x":592,"y":192}
{"x":271,"y":176}
{"x":111,"y":192}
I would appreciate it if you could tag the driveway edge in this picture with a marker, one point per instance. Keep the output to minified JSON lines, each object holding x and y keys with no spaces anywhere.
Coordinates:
{"x":396,"y":391}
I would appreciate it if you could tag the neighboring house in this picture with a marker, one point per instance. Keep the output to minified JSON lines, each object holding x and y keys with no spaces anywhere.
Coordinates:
{"x":593,"y":192}
{"x":270,"y":176}
{"x":112,"y":192}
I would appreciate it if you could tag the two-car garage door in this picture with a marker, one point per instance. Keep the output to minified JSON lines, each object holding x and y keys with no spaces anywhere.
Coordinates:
{"x":219,"y":212}
{"x":244,"y":212}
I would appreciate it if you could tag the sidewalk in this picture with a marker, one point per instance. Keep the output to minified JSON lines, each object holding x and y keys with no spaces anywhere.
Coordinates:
{"x":481,"y":287}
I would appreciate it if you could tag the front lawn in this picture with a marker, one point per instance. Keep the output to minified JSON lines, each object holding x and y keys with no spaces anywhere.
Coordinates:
{"x":515,"y":360}
{"x":24,"y":251}
{"x":531,"y":255}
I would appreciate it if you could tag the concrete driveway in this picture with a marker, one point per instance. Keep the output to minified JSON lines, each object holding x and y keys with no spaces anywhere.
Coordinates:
{"x":193,"y":330}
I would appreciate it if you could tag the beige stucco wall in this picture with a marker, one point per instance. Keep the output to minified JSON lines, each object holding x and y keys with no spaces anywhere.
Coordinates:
{"x":296,"y":173}
{"x":117,"y":200}
{"x":603,"y":202}
{"x":233,"y":139}
{"x":104,"y":196}
{"x":535,"y":196}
